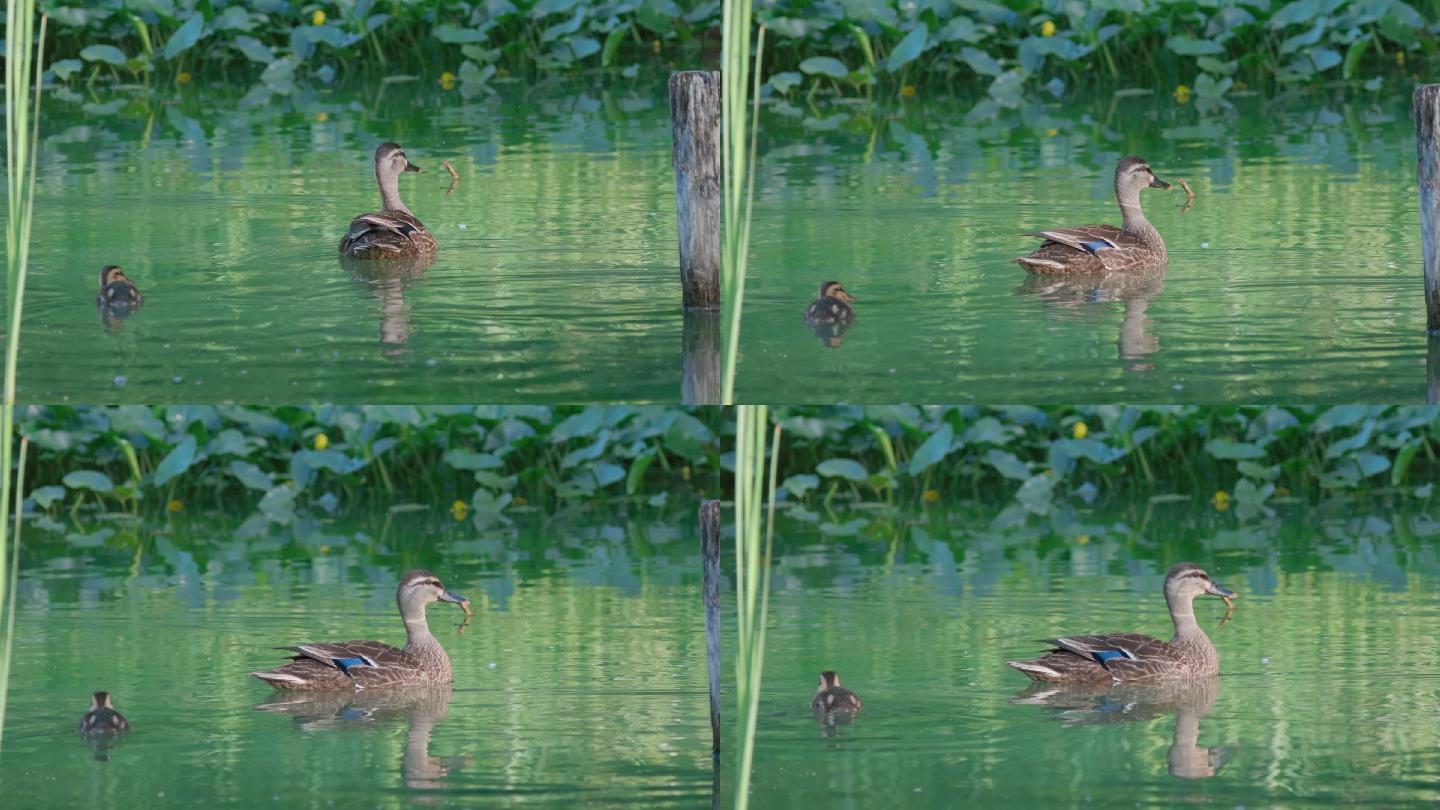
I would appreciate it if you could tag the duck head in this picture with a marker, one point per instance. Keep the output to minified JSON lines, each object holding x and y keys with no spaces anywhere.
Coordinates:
{"x":1185,"y":581}
{"x":834,"y":289}
{"x":111,"y":274}
{"x":390,"y":160}
{"x":829,"y":679}
{"x":1133,"y":174}
{"x":419,"y":588}
{"x":100,"y":700}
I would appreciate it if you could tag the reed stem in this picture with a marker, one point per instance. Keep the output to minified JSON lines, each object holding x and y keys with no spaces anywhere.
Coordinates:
{"x":752,"y":574}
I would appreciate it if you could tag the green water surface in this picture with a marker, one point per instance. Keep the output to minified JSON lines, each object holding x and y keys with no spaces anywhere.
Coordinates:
{"x":1329,"y":693}
{"x":1294,"y":276}
{"x":579,"y":682}
{"x":555,"y":280}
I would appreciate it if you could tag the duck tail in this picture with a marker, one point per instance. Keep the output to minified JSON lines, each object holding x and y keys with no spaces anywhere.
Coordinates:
{"x":279,"y":680}
{"x":1036,"y":671}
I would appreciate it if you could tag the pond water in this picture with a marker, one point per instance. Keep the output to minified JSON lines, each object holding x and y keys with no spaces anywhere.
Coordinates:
{"x":1329,"y":693}
{"x":580,"y":681}
{"x":556,"y":277}
{"x":1294,"y":276}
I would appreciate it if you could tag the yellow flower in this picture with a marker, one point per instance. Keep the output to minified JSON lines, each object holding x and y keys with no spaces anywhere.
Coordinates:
{"x":318,"y":18}
{"x":322,"y":117}
{"x":1047,"y":29}
{"x":183,"y":78}
{"x":324,"y":550}
{"x":931,"y":495}
{"x":655,"y":45}
{"x":1082,"y":540}
{"x":520,"y":500}
{"x":175,"y":506}
{"x":1221,"y":500}
{"x":321,"y":441}
{"x":908,"y":91}
{"x":1051,"y":132}
{"x":1080,"y":431}
{"x":447,"y":80}
{"x":1400,"y":58}
{"x":1182,"y":94}
{"x":685,"y":472}
{"x":459,"y":509}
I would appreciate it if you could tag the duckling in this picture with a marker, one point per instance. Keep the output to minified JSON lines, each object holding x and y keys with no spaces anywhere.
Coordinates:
{"x":118,"y":294}
{"x":392,"y":231}
{"x":833,"y":305}
{"x":102,"y":719}
{"x":831,"y":697}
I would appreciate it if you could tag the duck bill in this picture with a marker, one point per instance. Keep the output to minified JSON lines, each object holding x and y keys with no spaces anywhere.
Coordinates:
{"x":1155,"y":182}
{"x":451,"y":596}
{"x":1223,"y":593}
{"x":411,"y":167}
{"x":848,"y":298}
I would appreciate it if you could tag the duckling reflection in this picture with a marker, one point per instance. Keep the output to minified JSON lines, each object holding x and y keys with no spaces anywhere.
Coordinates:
{"x":830,"y":315}
{"x":422,"y":707}
{"x":118,"y":298}
{"x":1188,"y":700}
{"x":387,"y":280}
{"x":1133,"y":290}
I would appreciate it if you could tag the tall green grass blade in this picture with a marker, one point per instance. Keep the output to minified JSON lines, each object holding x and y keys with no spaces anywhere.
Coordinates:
{"x":9,"y":579}
{"x":752,"y":574}
{"x":22,"y":129}
{"x":738,"y":169}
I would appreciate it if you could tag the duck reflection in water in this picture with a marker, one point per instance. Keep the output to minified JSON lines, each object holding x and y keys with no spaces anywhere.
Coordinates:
{"x":1132,"y":290}
{"x":387,"y":280}
{"x":1099,"y":704}
{"x":422,"y":707}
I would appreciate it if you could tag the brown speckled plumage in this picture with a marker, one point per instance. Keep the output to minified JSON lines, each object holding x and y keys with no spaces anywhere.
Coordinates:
{"x":393,"y":231}
{"x":832,"y":697}
{"x":1105,"y":248}
{"x":1128,"y":657}
{"x":367,"y":664}
{"x":118,"y":294}
{"x":833,"y":306}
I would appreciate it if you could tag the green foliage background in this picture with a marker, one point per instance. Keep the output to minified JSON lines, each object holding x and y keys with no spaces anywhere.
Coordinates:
{"x":1035,"y":461}
{"x":1005,"y":46}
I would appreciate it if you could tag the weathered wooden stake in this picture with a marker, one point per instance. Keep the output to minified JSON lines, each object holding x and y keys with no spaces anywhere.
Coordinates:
{"x":710,"y":552}
{"x":1427,"y":140}
{"x":1432,"y":364}
{"x":695,"y":126}
{"x":700,"y":358}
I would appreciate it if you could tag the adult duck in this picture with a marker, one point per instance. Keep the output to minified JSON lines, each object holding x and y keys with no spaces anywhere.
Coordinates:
{"x":1131,"y":657}
{"x":365,"y":664}
{"x":1105,"y":248}
{"x":392,"y":231}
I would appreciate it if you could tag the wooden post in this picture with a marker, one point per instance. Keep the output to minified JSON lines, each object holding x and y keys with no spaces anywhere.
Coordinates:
{"x":700,"y":358}
{"x":1432,"y":374}
{"x":1427,"y":141}
{"x":710,"y":554}
{"x":695,"y":125}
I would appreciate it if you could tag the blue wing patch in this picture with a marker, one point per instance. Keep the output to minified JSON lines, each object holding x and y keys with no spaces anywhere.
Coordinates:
{"x":1094,"y":246}
{"x":1104,"y":657}
{"x":346,"y":663}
